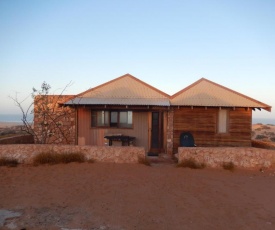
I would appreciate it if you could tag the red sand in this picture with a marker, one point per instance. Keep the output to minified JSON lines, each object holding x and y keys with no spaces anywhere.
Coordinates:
{"x":134,"y":196}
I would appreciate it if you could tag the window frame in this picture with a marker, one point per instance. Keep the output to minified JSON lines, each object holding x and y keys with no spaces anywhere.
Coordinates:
{"x":113,"y":114}
{"x":94,"y":115}
{"x":223,"y":121}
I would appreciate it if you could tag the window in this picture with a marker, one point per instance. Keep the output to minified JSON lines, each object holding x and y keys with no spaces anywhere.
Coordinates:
{"x":223,"y":121}
{"x":125,"y":119}
{"x":100,"y":118}
{"x":116,"y":119}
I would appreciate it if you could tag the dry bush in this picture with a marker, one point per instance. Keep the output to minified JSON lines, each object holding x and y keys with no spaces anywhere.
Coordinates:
{"x":57,"y":158}
{"x":91,"y":160}
{"x":228,"y":166}
{"x":260,"y":137}
{"x":265,"y":127}
{"x":72,"y":157}
{"x":191,"y":163}
{"x":144,"y":160}
{"x":10,"y":162}
{"x":270,"y":133}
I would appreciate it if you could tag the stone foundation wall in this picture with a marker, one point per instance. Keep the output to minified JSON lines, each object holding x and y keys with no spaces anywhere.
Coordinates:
{"x":115,"y":154}
{"x":242,"y":157}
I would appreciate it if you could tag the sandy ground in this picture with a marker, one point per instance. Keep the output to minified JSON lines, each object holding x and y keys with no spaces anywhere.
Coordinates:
{"x":9,"y":129}
{"x":263,"y":132}
{"x":9,"y":124}
{"x":135,"y":196}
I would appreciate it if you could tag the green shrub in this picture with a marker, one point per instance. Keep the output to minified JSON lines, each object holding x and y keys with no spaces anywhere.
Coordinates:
{"x":10,"y":162}
{"x":191,"y":163}
{"x":228,"y":166}
{"x":57,"y":158}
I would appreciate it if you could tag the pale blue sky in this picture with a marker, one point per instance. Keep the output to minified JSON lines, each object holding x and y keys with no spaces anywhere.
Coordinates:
{"x":168,"y":44}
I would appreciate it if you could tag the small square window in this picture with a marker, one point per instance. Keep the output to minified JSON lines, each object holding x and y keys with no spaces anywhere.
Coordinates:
{"x":125,"y":119}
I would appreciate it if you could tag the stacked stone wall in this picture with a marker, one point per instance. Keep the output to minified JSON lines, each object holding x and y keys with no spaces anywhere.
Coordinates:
{"x":242,"y":157}
{"x":114,"y":154}
{"x":170,"y":131}
{"x":53,"y":122}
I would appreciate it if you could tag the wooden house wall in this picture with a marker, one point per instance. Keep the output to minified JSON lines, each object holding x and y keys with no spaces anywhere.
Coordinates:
{"x":202,"y":123}
{"x":95,"y":136}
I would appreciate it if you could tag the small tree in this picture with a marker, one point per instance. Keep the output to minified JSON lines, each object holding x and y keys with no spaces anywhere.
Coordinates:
{"x":52,"y":121}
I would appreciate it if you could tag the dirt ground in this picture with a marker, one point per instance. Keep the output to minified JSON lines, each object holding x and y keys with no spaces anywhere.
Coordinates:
{"x":264,"y":133}
{"x":135,"y":196}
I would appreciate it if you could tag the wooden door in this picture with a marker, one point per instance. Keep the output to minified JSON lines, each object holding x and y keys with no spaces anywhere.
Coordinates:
{"x":157,"y":132}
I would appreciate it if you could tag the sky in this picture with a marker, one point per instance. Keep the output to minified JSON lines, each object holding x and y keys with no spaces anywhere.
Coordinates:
{"x":169,"y":44}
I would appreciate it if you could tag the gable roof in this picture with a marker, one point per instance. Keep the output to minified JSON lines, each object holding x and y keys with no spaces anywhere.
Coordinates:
{"x":207,"y":93}
{"x":124,"y":90}
{"x":128,"y":90}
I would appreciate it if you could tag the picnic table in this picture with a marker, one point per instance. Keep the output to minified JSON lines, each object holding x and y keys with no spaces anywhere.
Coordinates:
{"x":125,"y":140}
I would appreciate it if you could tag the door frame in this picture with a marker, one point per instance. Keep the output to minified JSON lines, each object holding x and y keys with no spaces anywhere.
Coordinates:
{"x":161,"y":132}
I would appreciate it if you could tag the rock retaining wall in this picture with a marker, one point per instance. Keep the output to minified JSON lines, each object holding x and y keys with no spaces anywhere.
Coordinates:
{"x":241,"y":157}
{"x":115,"y":154}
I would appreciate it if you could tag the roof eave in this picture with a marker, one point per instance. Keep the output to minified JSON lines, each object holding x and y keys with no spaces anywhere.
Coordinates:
{"x":268,"y":108}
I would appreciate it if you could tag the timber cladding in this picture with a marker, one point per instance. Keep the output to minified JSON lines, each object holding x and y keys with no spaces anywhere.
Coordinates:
{"x":88,"y":135}
{"x":203,"y":124}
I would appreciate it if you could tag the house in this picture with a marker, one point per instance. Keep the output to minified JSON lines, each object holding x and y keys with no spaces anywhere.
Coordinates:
{"x":127,"y":106}
{"x":214,"y":114}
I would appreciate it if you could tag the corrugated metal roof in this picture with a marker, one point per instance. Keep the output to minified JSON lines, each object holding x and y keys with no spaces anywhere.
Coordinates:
{"x":119,"y":101}
{"x":125,"y":90}
{"x":207,"y":93}
{"x":128,"y":90}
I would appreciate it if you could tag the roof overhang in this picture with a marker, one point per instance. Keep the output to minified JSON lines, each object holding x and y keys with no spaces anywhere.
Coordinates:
{"x":118,"y":101}
{"x":267,"y":108}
